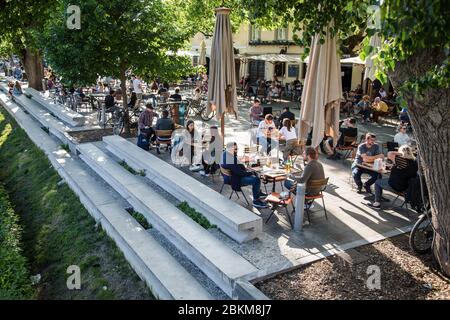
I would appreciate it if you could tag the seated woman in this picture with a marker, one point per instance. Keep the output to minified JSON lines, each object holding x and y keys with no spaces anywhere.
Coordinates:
{"x":405,"y":167}
{"x":240,"y":176}
{"x":256,"y":112}
{"x":211,"y":154}
{"x":17,"y":90}
{"x":273,"y":92}
{"x":289,"y":134}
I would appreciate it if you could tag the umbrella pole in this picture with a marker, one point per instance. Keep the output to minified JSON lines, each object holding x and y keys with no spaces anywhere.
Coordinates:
{"x":222,"y":126}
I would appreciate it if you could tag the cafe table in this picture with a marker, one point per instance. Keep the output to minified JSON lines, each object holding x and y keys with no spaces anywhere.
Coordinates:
{"x":273,"y":175}
{"x":369,"y":166}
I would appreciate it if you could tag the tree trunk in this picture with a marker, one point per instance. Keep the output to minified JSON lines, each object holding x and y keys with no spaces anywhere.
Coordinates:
{"x":123,"y":87}
{"x":430,"y":119}
{"x":32,"y":62}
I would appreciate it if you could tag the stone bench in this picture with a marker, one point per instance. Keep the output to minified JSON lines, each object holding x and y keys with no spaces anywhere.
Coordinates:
{"x":221,"y":264}
{"x":63,"y":113}
{"x":234,"y":220}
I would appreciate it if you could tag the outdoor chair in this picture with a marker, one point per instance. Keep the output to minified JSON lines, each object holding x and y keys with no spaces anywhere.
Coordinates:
{"x":309,"y":199}
{"x":276,"y":202}
{"x":163,"y":137}
{"x":348,"y":147}
{"x":227,"y":173}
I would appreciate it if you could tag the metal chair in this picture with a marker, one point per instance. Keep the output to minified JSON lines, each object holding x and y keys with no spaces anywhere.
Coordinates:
{"x":276,"y":202}
{"x":163,"y":137}
{"x":227,"y":173}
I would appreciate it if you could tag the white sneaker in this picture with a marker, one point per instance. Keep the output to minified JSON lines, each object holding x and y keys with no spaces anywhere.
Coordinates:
{"x":195,"y":167}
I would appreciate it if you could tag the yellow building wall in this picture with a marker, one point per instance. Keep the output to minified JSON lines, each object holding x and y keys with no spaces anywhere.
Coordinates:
{"x":241,"y":40}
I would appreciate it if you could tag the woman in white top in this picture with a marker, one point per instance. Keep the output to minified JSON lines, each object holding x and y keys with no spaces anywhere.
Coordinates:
{"x":402,"y":137}
{"x":288,"y":133}
{"x":267,"y":133}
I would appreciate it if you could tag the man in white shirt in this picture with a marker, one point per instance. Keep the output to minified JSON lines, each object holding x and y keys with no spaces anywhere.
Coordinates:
{"x":267,"y":134}
{"x":137,"y":88}
{"x":402,"y":137}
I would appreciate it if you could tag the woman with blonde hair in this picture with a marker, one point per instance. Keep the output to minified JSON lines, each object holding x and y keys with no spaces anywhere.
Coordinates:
{"x":404,"y":168}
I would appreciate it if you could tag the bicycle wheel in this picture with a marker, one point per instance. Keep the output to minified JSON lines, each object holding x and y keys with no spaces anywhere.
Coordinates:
{"x":422,"y":234}
{"x":205,"y":115}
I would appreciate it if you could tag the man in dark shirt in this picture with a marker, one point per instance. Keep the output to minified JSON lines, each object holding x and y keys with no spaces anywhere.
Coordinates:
{"x":109,"y":100}
{"x":165,"y":123}
{"x":176,"y":96}
{"x":285,"y":115}
{"x":240,"y":176}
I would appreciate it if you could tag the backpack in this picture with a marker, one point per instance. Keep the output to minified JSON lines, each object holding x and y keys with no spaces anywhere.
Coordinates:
{"x":143,"y":142}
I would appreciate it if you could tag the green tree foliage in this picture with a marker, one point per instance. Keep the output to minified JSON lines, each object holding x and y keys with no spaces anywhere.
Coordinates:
{"x":115,"y":36}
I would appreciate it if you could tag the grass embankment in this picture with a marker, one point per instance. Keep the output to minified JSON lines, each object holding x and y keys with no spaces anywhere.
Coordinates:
{"x":14,"y":276}
{"x":57,"y":230}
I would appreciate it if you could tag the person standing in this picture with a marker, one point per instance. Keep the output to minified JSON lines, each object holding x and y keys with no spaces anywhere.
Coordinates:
{"x":145,"y":122}
{"x":137,"y":88}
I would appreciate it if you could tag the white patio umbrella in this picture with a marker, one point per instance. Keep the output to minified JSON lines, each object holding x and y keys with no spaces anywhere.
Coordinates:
{"x":369,"y":72}
{"x":222,"y":95}
{"x":202,"y":58}
{"x":322,"y":92}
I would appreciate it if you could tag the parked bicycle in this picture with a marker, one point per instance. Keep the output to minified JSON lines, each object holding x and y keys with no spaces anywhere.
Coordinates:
{"x":198,"y":108}
{"x":422,"y":234}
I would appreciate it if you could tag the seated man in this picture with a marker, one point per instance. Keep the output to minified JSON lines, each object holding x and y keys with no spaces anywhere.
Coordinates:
{"x":176,"y":96}
{"x":256,"y":112}
{"x":285,"y":115}
{"x":165,"y":123}
{"x":380,"y":108}
{"x":240,"y":176}
{"x":145,"y":122}
{"x":367,"y":152}
{"x":313,"y":171}
{"x":349,"y":130}
{"x":405,"y":167}
{"x":267,"y":134}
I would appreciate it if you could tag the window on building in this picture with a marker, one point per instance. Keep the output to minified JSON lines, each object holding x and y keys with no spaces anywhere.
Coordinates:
{"x":195,"y":61}
{"x":255,"y":33}
{"x":282,"y":34}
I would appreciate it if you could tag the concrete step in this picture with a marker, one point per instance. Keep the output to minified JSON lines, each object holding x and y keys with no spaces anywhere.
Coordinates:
{"x":55,"y":127}
{"x":234,"y":220}
{"x":221,"y":264}
{"x":63,"y":113}
{"x":165,"y":277}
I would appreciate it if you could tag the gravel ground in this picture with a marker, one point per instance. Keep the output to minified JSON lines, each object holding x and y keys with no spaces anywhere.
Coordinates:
{"x":403,"y":276}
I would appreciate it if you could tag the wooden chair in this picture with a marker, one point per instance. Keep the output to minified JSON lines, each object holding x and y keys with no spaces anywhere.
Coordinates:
{"x":163,"y":137}
{"x":274,"y":200}
{"x":309,"y":199}
{"x":227,"y":173}
{"x":348,"y":147}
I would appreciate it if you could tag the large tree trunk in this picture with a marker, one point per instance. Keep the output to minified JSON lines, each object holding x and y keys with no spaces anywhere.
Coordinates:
{"x":430,"y":118}
{"x":123,"y":87}
{"x":32,"y":62}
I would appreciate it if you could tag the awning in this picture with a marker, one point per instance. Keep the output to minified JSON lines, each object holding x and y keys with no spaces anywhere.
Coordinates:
{"x":353,"y":60}
{"x":273,"y":57}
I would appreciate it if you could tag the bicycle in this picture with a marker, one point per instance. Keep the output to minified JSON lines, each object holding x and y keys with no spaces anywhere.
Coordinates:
{"x":422,"y":234}
{"x":198,"y":108}
{"x":116,"y":120}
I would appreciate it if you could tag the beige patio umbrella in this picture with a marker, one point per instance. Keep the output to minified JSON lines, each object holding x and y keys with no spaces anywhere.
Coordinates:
{"x":202,"y":58}
{"x":222,"y":95}
{"x":322,"y":92}
{"x":369,"y":72}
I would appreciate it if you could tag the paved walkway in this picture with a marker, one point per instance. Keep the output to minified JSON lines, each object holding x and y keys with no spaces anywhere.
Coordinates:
{"x":350,"y":223}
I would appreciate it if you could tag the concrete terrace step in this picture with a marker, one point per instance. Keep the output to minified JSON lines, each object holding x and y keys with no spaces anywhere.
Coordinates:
{"x":55,"y":127}
{"x":234,"y":220}
{"x":221,"y":264}
{"x":63,"y":113}
{"x":166,"y":278}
